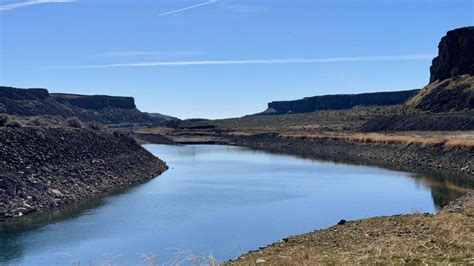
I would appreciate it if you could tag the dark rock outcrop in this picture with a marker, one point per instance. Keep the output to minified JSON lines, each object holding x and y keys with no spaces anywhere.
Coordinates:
{"x":451,"y":85}
{"x":102,"y":109}
{"x":339,"y":102}
{"x":48,"y":168}
{"x":95,"y":102}
{"x":455,"y":56}
{"x":27,"y":94}
{"x":447,"y":103}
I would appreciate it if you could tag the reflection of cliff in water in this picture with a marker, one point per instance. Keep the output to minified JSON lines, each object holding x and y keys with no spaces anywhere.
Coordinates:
{"x":444,"y":189}
{"x":12,"y":232}
{"x":445,"y":186}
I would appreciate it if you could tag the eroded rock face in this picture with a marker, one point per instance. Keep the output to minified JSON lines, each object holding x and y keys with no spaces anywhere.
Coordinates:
{"x":26,"y":94}
{"x":97,"y":108}
{"x":455,"y":56}
{"x":339,"y":102}
{"x":95,"y":102}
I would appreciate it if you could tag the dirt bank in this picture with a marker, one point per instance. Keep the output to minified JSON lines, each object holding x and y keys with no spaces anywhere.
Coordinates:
{"x":42,"y":168}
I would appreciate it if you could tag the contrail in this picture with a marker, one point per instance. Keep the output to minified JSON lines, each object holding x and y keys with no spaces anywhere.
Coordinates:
{"x":258,"y":61}
{"x":187,"y":8}
{"x":31,"y":3}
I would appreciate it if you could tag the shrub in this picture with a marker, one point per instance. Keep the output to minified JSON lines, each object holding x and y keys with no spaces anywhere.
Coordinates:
{"x":74,"y":122}
{"x":13,"y":124}
{"x":3,"y":120}
{"x":95,"y":126}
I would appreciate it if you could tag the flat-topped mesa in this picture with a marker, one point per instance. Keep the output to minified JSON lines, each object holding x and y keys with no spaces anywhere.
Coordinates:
{"x":23,"y":94}
{"x":95,"y":102}
{"x":455,"y":56}
{"x":96,"y":108}
{"x":339,"y":102}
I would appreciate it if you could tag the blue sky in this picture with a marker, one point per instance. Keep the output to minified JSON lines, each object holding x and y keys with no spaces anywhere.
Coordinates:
{"x":222,"y":58}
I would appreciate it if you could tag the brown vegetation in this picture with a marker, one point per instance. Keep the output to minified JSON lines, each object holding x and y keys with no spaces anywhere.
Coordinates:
{"x":449,"y":140}
{"x":454,"y":94}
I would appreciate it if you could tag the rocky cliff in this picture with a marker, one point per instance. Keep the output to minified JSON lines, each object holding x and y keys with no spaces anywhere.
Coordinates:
{"x":455,"y":56}
{"x":339,"y":102}
{"x":451,"y":85}
{"x":43,"y":168}
{"x":102,"y":109}
{"x":447,"y":102}
{"x":95,"y":102}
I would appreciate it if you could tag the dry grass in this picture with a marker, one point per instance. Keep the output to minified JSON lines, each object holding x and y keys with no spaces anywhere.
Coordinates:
{"x":459,"y":143}
{"x":463,"y":81}
{"x":449,"y":140}
{"x":445,"y":238}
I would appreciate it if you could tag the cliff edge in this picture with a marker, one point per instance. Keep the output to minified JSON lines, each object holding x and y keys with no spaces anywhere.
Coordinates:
{"x":455,"y":55}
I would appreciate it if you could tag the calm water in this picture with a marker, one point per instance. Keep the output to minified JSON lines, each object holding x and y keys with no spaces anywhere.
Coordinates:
{"x":218,"y":199}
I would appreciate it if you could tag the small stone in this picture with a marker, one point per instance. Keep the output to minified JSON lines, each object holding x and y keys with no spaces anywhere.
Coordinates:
{"x":11,"y":188}
{"x":260,"y":261}
{"x":56,"y":192}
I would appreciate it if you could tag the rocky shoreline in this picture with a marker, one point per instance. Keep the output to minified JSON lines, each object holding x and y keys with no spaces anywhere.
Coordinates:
{"x":457,"y":161}
{"x":411,"y":157}
{"x":45,"y":168}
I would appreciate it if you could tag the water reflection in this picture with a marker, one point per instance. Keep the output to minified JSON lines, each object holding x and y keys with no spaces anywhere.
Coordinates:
{"x":225,"y":200}
{"x":12,"y":231}
{"x":445,"y":189}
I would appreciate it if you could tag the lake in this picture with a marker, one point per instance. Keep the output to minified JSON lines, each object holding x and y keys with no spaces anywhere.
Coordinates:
{"x":219,"y":200}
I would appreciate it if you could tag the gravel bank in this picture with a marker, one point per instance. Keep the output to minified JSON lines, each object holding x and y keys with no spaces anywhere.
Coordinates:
{"x":459,"y":161}
{"x":48,"y":168}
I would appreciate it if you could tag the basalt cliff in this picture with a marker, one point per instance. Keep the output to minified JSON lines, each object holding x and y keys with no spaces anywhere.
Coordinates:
{"x":339,"y":102}
{"x":96,"y":108}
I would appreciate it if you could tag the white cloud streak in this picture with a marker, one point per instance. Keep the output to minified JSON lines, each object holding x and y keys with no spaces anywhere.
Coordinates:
{"x":188,"y":8}
{"x":411,"y":57}
{"x":150,"y":53}
{"x":31,"y":3}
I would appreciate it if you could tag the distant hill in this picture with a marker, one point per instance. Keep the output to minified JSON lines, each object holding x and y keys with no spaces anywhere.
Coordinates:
{"x":96,"y":108}
{"x":339,"y":102}
{"x":157,"y":117}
